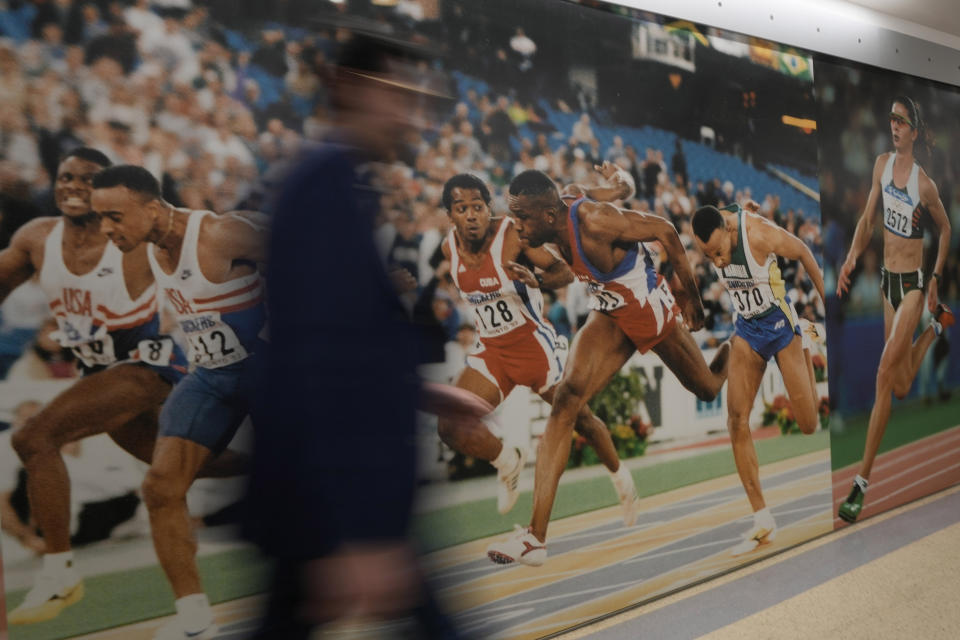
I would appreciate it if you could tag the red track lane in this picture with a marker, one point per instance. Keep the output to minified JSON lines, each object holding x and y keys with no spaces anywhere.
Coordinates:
{"x":907,"y":473}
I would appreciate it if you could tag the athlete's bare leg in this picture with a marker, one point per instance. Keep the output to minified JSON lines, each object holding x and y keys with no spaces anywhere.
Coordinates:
{"x":897,"y":353}
{"x":741,"y":392}
{"x":101,"y":402}
{"x":472,"y":438}
{"x":175,"y":465}
{"x":918,"y":351}
{"x":594,"y":430}
{"x":812,"y":375}
{"x":599,"y":350}
{"x":792,"y":361}
{"x":679,"y":351}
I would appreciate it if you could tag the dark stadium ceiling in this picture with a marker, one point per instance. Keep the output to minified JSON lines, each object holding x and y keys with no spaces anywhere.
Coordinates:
{"x":942,"y":15}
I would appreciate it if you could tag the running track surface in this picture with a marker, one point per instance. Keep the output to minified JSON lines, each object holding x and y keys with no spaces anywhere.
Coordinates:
{"x":905,"y":474}
{"x":597,"y":566}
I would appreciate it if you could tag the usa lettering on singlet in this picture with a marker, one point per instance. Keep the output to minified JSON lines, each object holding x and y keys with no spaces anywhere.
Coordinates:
{"x":633,"y":281}
{"x":219,"y":321}
{"x":96,"y":318}
{"x":501,"y":306}
{"x":756,"y":290}
{"x":902,"y":211}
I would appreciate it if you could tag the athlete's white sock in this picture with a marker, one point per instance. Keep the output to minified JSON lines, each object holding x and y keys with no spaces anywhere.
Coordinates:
{"x":763,"y":518}
{"x":58,"y":561}
{"x":194,"y":611}
{"x":622,"y":472}
{"x":506,"y":460}
{"x":861,"y":482}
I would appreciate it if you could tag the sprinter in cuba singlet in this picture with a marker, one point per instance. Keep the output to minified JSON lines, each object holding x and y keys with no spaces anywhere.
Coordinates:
{"x":517,"y":345}
{"x":632,"y":309}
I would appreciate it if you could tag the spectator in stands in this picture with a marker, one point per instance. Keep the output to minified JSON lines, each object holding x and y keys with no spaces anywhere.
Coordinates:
{"x":679,"y":163}
{"x":524,"y":47}
{"x":651,"y":174}
{"x":615,"y":151}
{"x":582,"y":131}
{"x":498,"y":130}
{"x":21,"y":315}
{"x":45,"y":359}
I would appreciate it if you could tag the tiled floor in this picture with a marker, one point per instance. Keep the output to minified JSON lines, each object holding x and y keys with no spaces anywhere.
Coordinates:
{"x":893,"y":576}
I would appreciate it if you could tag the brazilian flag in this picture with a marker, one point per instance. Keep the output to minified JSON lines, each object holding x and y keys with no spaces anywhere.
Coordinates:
{"x":794,"y":64}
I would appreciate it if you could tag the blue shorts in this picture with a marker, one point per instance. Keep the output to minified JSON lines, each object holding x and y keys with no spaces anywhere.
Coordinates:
{"x":769,"y":334}
{"x":208,"y":405}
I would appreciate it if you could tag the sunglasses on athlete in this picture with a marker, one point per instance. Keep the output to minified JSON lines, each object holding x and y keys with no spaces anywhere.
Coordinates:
{"x":896,"y":117}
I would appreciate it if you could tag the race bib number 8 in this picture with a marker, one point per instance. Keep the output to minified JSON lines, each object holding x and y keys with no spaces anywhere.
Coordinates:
{"x":212,"y":344}
{"x":155,"y":352}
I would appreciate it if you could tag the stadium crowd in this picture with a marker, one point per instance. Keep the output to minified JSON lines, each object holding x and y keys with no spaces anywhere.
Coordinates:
{"x":217,"y":113}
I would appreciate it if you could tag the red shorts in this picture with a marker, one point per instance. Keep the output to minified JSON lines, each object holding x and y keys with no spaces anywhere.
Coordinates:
{"x":536,"y":361}
{"x":648,"y":324}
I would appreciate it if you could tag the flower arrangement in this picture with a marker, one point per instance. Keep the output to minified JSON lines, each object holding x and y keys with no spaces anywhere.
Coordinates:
{"x":819,"y":367}
{"x":780,"y":413}
{"x":824,"y":410}
{"x":615,"y":406}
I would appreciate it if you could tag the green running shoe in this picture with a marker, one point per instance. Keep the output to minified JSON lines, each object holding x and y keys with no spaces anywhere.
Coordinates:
{"x":850,"y":509}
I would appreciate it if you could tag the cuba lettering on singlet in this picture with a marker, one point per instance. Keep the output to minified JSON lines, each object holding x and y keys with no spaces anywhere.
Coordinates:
{"x":498,"y":308}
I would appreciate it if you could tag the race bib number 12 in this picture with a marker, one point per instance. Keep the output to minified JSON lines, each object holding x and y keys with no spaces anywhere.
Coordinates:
{"x":212,"y":343}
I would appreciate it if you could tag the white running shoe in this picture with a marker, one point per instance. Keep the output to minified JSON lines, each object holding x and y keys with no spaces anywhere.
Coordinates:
{"x":508,"y":491}
{"x":177,"y":630}
{"x":627,"y":493}
{"x":757,"y":536}
{"x":522,"y":546}
{"x":53,"y":592}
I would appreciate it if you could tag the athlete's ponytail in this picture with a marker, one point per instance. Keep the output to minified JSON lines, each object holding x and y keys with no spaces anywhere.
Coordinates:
{"x":924,"y":151}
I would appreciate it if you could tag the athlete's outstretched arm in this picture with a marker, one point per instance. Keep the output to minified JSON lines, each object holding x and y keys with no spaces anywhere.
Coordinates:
{"x":619,"y":185}
{"x":930,"y":198}
{"x":861,"y":237}
{"x":783,"y":243}
{"x":555,"y":272}
{"x":625,"y":226}
{"x":16,"y":267}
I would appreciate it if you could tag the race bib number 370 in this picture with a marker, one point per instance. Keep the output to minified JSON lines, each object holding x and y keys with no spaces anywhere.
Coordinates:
{"x":212,"y":344}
